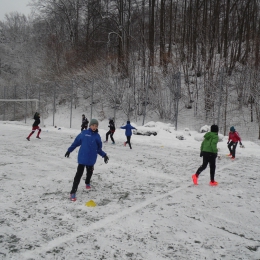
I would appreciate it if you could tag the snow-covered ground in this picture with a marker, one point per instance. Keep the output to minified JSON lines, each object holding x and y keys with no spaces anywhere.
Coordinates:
{"x":147,"y":206}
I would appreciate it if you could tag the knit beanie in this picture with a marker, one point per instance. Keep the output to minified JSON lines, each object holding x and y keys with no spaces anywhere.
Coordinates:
{"x":232,"y":129}
{"x":128,"y":122}
{"x":93,"y":122}
{"x":214,"y":128}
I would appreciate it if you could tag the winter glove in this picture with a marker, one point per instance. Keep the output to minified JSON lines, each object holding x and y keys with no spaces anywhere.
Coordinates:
{"x":228,"y":142}
{"x":106,"y":159}
{"x":201,"y":154}
{"x":240,"y":143}
{"x":67,"y":154}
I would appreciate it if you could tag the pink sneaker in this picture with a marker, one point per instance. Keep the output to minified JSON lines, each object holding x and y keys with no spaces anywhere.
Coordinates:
{"x":124,"y":143}
{"x":213,"y":183}
{"x":88,"y":187}
{"x":73,"y":197}
{"x":195,"y":179}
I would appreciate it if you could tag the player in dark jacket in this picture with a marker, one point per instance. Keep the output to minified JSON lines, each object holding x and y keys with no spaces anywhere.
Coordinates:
{"x":35,"y":126}
{"x":84,"y":124}
{"x":111,"y":131}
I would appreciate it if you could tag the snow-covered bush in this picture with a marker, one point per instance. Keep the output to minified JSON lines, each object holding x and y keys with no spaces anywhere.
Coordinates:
{"x":200,"y":137}
{"x":142,"y":131}
{"x":205,"y":129}
{"x":180,"y":137}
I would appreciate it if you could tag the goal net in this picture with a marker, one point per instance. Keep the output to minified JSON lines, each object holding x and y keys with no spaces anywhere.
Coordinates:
{"x":9,"y":112}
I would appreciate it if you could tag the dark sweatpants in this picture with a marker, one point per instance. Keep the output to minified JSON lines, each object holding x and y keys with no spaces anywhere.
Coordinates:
{"x":111,"y":135}
{"x":79,"y":174}
{"x":232,"y":145}
{"x":128,"y":141}
{"x":211,"y":159}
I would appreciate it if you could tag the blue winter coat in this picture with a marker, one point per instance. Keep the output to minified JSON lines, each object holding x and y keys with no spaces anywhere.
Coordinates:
{"x":90,"y":146}
{"x":128,"y":129}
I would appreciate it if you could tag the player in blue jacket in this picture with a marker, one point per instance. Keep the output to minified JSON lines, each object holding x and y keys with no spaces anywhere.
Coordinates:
{"x":128,"y":132}
{"x":90,"y":146}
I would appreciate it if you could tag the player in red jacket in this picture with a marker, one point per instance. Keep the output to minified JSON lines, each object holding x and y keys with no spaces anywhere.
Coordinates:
{"x":233,"y":139}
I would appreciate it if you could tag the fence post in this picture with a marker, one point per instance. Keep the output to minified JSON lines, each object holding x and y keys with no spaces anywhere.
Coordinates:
{"x":4,"y":103}
{"x":14,"y":98}
{"x":54,"y":101}
{"x":115,"y":102}
{"x":92,"y":94}
{"x":220,"y":94}
{"x":25,"y":107}
{"x":146,"y":92}
{"x":71,"y":101}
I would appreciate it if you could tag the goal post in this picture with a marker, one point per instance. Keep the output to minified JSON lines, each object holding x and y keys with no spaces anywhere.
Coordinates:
{"x":22,"y":100}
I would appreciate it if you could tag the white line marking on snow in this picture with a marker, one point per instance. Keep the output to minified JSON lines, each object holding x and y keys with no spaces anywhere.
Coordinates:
{"x":102,"y":223}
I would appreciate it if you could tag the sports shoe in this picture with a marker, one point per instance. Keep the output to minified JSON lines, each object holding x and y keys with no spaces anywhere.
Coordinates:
{"x":88,"y":186}
{"x":73,"y":197}
{"x":124,"y":143}
{"x":38,"y":137}
{"x":213,"y":183}
{"x":232,"y":158}
{"x":28,"y":138}
{"x":229,"y":154}
{"x":105,"y":142}
{"x":113,"y":143}
{"x":195,"y":179}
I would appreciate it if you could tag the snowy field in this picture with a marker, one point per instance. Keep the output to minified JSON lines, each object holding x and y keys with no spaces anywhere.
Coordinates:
{"x":147,"y":206}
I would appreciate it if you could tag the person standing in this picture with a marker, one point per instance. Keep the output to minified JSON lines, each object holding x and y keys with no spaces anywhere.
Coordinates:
{"x":111,"y":131}
{"x":209,"y":153}
{"x":84,"y":124}
{"x":35,"y":126}
{"x":90,"y":146}
{"x":128,"y":132}
{"x":233,"y":139}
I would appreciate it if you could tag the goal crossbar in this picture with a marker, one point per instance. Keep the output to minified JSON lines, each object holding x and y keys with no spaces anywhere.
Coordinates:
{"x":22,"y":100}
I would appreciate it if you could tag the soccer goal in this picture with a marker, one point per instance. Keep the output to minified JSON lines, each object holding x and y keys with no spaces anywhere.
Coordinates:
{"x":21,"y":100}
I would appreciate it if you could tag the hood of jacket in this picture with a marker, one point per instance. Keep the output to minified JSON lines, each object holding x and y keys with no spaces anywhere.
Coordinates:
{"x":209,"y":143}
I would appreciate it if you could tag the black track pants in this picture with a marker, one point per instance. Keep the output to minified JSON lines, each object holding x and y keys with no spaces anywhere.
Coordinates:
{"x":79,"y":174}
{"x":232,"y":148}
{"x":128,"y":141}
{"x":111,"y":136}
{"x":211,"y":159}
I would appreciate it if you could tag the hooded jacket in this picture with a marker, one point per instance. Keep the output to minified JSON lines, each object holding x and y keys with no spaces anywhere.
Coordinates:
{"x":209,"y":143}
{"x":90,"y":146}
{"x":234,"y":136}
{"x":128,"y":129}
{"x":37,"y":119}
{"x":112,"y":126}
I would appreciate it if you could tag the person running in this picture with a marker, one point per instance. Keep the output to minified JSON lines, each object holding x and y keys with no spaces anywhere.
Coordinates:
{"x":233,"y":139}
{"x":111,"y":131}
{"x":90,"y":146}
{"x":35,"y":126}
{"x":128,"y":132}
{"x":209,"y":153}
{"x":84,"y":124}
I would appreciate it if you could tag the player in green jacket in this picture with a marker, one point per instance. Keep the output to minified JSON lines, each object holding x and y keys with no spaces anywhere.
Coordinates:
{"x":209,"y":152}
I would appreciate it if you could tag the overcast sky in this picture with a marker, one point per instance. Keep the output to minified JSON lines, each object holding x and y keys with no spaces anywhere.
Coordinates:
{"x":7,"y":6}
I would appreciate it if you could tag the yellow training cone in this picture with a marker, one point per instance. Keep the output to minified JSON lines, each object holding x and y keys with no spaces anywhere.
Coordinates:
{"x":91,"y":203}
